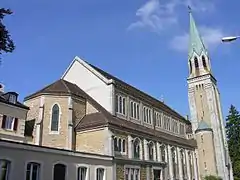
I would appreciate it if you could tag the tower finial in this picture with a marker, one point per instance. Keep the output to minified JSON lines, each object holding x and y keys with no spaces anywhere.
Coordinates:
{"x":189,"y":9}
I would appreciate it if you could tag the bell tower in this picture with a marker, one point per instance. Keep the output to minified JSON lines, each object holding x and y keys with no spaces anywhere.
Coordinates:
{"x":205,"y":109}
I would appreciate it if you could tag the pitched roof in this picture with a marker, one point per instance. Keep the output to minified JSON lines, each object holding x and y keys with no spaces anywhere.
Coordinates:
{"x":59,"y":87}
{"x":141,"y":95}
{"x":4,"y":99}
{"x":103,"y":119}
{"x":195,"y":41}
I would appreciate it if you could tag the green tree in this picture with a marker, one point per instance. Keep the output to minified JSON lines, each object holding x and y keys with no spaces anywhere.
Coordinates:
{"x":233,"y":136}
{"x":6,"y":43}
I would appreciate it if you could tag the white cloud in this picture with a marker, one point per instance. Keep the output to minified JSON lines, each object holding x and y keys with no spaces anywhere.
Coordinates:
{"x":211,"y":37}
{"x":157,"y":15}
{"x":154,"y":16}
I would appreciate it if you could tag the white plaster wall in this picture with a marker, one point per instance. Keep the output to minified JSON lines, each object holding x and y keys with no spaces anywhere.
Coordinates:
{"x":91,"y":84}
{"x":20,"y":156}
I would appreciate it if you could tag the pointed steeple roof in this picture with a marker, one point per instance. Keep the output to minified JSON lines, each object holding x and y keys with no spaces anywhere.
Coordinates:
{"x":195,"y":41}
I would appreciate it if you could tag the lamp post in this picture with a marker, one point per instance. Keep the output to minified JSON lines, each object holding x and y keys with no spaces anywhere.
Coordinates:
{"x":230,"y":38}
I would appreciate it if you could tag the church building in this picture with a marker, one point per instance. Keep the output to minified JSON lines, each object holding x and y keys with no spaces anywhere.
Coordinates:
{"x":90,"y":125}
{"x":206,"y":113}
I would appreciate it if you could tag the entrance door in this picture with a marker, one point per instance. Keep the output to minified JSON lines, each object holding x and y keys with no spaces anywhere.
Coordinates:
{"x":157,"y":174}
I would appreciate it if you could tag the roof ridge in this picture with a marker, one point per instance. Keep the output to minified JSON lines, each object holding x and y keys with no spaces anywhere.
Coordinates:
{"x":65,"y":85}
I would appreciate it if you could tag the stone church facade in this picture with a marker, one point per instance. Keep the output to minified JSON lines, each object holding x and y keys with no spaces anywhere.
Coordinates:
{"x":90,"y":125}
{"x":206,"y":113}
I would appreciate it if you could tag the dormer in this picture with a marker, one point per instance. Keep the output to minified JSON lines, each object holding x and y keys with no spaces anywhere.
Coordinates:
{"x":12,"y":97}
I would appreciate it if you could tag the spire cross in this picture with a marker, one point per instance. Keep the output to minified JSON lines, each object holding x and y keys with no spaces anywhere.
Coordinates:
{"x":189,"y":9}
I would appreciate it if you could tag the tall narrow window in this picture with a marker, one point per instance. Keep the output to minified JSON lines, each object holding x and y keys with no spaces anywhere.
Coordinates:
{"x":131,"y":109}
{"x":132,"y":173}
{"x":59,"y":172}
{"x":9,"y":123}
{"x":134,"y":110}
{"x":190,"y":164}
{"x":183,"y":169}
{"x":123,"y":145}
{"x":204,"y":62}
{"x":55,"y":118}
{"x":115,"y":144}
{"x":136,"y":149}
{"x":190,"y":66}
{"x":82,"y":173}
{"x":162,"y":149}
{"x":147,"y":115}
{"x":33,"y":171}
{"x":196,"y":62}
{"x":120,"y":104}
{"x":151,"y":151}
{"x":100,"y":174}
{"x":4,"y":169}
{"x":174,"y":162}
{"x":127,"y":173}
{"x":119,"y":145}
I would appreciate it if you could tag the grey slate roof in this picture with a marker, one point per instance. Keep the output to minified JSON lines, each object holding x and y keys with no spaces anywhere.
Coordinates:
{"x":59,"y":87}
{"x":4,"y":99}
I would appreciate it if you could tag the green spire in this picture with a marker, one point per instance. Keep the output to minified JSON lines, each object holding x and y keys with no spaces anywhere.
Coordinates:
{"x":195,"y":41}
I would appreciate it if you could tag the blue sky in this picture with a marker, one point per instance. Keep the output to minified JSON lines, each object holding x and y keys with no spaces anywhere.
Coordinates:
{"x":143,"y":42}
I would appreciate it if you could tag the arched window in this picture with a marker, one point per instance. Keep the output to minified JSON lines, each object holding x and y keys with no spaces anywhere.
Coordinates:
{"x":33,"y":171}
{"x":59,"y":172}
{"x":82,"y":173}
{"x":131,"y":107}
{"x":204,"y":62}
{"x":4,"y":169}
{"x":162,"y":149}
{"x":196,"y":62}
{"x":190,"y":164}
{"x":123,"y":145}
{"x":174,"y":163}
{"x":182,"y":156}
{"x":151,"y":151}
{"x":55,"y":118}
{"x":100,"y":173}
{"x":115,"y":144}
{"x":119,"y":145}
{"x":136,"y":148}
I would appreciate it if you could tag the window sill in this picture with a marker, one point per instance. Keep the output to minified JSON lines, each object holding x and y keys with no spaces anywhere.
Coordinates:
{"x":120,"y":153}
{"x":121,"y":114}
{"x":54,"y":132}
{"x":9,"y":130}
